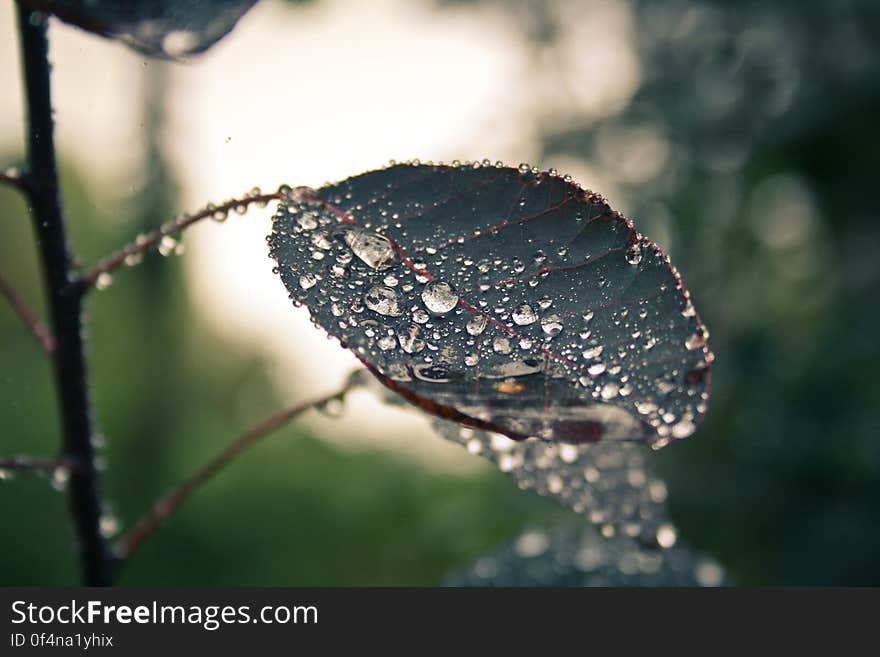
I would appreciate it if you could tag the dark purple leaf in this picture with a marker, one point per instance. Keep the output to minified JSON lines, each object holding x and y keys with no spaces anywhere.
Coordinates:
{"x":505,"y":299}
{"x":163,"y":28}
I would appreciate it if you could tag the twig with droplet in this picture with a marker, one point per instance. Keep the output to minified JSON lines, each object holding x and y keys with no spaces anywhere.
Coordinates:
{"x":15,"y":178}
{"x":143,"y":243}
{"x":28,"y":316}
{"x":36,"y":464}
{"x":171,"y":501}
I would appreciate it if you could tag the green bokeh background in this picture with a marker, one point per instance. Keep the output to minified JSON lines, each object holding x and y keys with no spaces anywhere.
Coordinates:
{"x":782,"y":482}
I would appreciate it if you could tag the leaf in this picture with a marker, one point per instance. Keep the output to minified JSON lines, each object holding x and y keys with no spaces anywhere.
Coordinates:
{"x":578,"y":556}
{"x":162,"y":28}
{"x":609,"y":483}
{"x":504,"y":299}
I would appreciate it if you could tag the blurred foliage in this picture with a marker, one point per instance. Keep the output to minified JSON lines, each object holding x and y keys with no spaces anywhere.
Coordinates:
{"x":749,"y":149}
{"x":761,"y":180}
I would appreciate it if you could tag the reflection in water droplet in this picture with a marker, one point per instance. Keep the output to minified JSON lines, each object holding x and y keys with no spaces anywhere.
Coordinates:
{"x":609,"y":391}
{"x":410,"y":338}
{"x":695,"y":341}
{"x":307,"y":221}
{"x":433,"y":373}
{"x":513,"y":369}
{"x":477,"y":324}
{"x":634,"y":254}
{"x":501,"y":345}
{"x":383,"y":300}
{"x":375,"y":250}
{"x":524,"y":315}
{"x":321,"y":241}
{"x":439,"y":297}
{"x":683,"y":429}
{"x":307,"y":281}
{"x":551,"y":324}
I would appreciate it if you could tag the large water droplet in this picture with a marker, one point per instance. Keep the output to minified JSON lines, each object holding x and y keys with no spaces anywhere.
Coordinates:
{"x":383,"y":300}
{"x":433,"y":373}
{"x":695,"y":341}
{"x":477,"y":324}
{"x":524,"y":315}
{"x":410,"y":337}
{"x":501,"y":345}
{"x":634,"y":254}
{"x":551,"y":324}
{"x":375,"y":250}
{"x":439,"y":297}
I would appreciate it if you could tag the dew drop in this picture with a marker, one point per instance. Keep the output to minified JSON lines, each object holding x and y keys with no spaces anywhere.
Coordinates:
{"x":307,"y":281}
{"x":695,"y":341}
{"x":634,"y":254}
{"x":439,"y":297}
{"x":609,"y":391}
{"x":373,"y":249}
{"x":551,"y":324}
{"x":410,"y":338}
{"x":477,"y":324}
{"x":501,"y":345}
{"x":386,"y":342}
{"x":524,"y":315}
{"x":320,"y":240}
{"x":383,"y":300}
{"x":666,"y":535}
{"x":166,"y":247}
{"x":683,"y":429}
{"x":307,"y":221}
{"x":103,"y":281}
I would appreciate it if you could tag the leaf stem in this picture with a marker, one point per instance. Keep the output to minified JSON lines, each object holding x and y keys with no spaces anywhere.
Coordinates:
{"x":171,"y":501}
{"x":16,"y":179}
{"x":150,"y":240}
{"x":64,"y":302}
{"x":27,"y":463}
{"x":28,"y":316}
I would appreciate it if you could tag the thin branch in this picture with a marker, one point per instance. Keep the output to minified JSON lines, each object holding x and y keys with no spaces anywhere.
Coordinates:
{"x":15,"y":178}
{"x":151,"y":240}
{"x":36,"y":327}
{"x":171,"y":501}
{"x":32,"y":463}
{"x":65,"y":305}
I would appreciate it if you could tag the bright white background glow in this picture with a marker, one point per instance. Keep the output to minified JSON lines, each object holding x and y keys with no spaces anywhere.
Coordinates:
{"x":317,"y":93}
